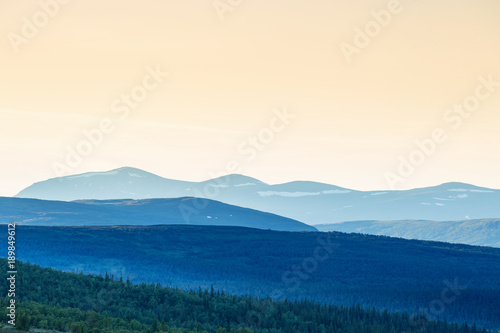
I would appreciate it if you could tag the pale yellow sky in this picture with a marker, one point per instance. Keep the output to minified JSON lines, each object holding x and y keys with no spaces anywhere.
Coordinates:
{"x":353,"y":120}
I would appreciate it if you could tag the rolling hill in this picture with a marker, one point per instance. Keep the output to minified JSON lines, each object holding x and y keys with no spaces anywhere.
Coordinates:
{"x":386,"y":273}
{"x":100,"y":304}
{"x":140,"y":212}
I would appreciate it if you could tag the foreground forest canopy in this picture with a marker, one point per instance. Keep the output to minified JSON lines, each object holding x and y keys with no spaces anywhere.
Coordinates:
{"x":54,"y":300}
{"x":457,"y":282}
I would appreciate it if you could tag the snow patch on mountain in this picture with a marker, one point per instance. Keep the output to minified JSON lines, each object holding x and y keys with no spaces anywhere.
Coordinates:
{"x":131,"y":174}
{"x":443,"y":199}
{"x":287,"y":194}
{"x":93,"y":174}
{"x":336,"y":191}
{"x":335,"y":209}
{"x":469,"y":190}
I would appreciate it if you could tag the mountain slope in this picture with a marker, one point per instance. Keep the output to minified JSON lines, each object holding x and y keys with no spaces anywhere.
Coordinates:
{"x":84,"y":303}
{"x":388,"y":273}
{"x":140,"y":212}
{"x":485,"y":232}
{"x":309,"y":202}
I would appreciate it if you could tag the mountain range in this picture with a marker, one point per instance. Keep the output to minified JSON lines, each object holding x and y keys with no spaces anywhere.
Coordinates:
{"x":309,"y":202}
{"x":135,"y":224}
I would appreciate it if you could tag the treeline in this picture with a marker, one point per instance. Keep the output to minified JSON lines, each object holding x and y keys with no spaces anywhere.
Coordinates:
{"x":50,"y":299}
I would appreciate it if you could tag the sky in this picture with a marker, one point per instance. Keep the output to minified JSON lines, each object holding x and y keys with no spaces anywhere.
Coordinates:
{"x":366,"y":95}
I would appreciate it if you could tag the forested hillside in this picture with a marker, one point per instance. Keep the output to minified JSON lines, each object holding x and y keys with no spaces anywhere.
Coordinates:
{"x":52,"y":299}
{"x":459,"y":282}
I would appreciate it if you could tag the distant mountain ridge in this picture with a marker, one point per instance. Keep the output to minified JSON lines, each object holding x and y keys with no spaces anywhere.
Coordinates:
{"x":140,"y":212}
{"x":309,"y":202}
{"x":484,"y":232}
